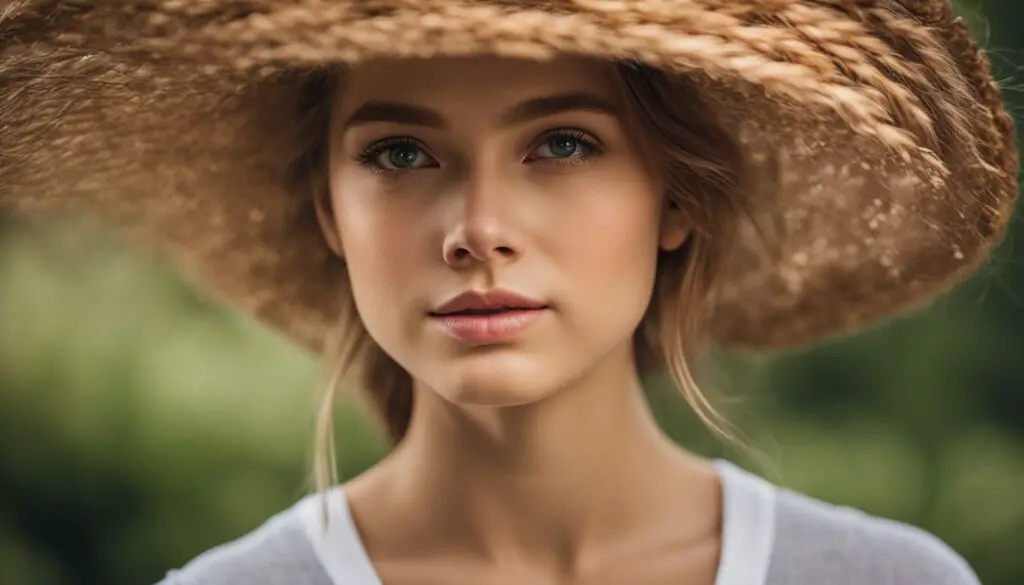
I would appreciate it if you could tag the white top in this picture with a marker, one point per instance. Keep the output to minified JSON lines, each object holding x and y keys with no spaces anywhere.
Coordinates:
{"x":748,"y":532}
{"x":770,"y":536}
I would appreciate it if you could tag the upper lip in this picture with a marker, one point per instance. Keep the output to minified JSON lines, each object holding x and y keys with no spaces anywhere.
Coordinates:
{"x":489,"y":299}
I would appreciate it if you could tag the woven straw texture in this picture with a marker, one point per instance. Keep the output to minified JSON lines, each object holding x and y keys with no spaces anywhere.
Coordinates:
{"x":875,"y":125}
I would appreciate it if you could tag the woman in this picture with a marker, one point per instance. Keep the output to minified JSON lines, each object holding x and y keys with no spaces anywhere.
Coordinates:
{"x":495,"y":218}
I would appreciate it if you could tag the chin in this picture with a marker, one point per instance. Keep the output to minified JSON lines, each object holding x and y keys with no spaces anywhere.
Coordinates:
{"x":495,"y":380}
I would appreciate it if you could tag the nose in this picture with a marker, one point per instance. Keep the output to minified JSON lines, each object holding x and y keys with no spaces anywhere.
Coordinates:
{"x":482,"y":232}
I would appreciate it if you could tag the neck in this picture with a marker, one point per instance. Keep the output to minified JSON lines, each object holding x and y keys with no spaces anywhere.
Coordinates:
{"x":547,"y":480}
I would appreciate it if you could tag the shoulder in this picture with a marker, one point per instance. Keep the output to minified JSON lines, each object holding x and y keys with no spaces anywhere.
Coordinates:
{"x":276,"y":553}
{"x":817,"y":542}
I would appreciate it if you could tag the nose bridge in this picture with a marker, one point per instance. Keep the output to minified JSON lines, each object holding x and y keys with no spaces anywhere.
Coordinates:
{"x":481,"y":197}
{"x":482,"y":220}
{"x":483,"y":209}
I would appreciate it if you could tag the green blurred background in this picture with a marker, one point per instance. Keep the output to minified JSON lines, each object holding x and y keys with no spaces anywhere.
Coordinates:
{"x":140,"y":424}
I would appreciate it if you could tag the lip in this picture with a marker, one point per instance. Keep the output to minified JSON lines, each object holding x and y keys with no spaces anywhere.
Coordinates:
{"x":491,"y":316}
{"x":484,"y":300}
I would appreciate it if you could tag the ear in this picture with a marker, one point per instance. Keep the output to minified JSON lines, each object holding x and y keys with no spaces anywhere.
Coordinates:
{"x":675,"y":227}
{"x":325,"y":218}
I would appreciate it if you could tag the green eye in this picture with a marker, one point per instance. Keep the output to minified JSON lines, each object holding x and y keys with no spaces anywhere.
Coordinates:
{"x":403,"y":156}
{"x":563,"y":146}
{"x":566,"y":145}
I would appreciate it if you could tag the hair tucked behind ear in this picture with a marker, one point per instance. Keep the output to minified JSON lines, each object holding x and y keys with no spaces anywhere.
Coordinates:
{"x":703,"y":171}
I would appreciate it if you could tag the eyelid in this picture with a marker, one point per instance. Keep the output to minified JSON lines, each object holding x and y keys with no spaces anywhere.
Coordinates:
{"x":573,"y":131}
{"x":577,"y":133}
{"x":384,"y":143}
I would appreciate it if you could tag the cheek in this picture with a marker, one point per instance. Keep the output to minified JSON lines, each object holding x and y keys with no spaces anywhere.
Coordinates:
{"x":611,"y":245}
{"x":378,"y":242}
{"x":385,"y":252}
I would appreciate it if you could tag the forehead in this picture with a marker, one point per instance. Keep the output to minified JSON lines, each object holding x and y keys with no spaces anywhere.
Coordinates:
{"x":453,"y":84}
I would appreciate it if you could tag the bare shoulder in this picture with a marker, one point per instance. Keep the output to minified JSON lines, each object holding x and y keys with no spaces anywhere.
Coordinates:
{"x":276,"y":553}
{"x":817,"y":542}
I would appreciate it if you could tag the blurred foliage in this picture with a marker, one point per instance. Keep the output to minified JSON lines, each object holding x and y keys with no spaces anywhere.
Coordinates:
{"x":143,"y":424}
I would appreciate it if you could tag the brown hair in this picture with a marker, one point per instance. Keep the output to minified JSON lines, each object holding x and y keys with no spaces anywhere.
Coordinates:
{"x":703,"y":170}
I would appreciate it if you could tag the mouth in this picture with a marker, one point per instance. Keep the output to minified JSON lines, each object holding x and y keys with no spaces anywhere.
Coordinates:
{"x":489,"y":302}
{"x":488,"y":317}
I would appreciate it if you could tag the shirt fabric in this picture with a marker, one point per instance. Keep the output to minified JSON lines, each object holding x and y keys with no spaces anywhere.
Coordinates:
{"x":770,"y":536}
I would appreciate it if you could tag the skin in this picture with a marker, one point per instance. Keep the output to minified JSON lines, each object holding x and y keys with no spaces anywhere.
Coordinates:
{"x":535,"y":460}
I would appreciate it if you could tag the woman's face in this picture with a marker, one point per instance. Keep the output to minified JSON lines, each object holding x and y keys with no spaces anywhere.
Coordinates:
{"x":499,"y":224}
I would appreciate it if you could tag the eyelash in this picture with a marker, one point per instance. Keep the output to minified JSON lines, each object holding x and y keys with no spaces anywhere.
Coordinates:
{"x":589,"y":145}
{"x":369,"y":155}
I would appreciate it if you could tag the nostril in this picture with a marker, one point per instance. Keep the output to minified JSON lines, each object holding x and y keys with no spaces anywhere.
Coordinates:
{"x":462,"y":254}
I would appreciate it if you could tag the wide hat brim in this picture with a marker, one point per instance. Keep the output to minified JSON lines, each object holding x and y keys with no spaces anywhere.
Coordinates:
{"x":877,"y":125}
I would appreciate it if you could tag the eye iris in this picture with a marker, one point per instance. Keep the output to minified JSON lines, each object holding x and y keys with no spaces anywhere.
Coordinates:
{"x":403,"y":156}
{"x":563,"y":146}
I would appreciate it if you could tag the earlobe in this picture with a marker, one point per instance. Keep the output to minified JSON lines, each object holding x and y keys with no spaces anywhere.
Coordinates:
{"x":674,"y":229}
{"x":325,"y":219}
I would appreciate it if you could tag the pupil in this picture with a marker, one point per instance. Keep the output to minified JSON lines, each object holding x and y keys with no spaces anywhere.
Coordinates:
{"x":563,"y":146}
{"x":403,"y":156}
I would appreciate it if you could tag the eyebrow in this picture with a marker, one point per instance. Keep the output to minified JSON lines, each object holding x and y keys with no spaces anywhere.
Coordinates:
{"x":532,"y":109}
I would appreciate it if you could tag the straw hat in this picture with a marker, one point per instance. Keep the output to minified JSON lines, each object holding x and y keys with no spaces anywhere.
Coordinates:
{"x":876,"y":122}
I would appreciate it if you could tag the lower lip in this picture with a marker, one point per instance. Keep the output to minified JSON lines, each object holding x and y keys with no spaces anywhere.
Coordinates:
{"x":493,"y":328}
